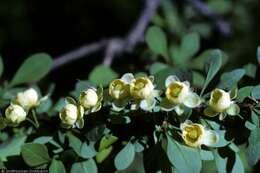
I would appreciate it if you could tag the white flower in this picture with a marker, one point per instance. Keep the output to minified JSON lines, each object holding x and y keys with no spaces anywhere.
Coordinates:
{"x":71,"y":113}
{"x":88,"y":98}
{"x":196,"y":135}
{"x":15,"y":114}
{"x":141,"y":88}
{"x":118,"y":89}
{"x":27,"y":99}
{"x":179,"y":94}
{"x":219,"y":100}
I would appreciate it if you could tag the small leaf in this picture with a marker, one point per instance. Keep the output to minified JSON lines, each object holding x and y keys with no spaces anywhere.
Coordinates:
{"x":33,"y":69}
{"x":103,"y":154}
{"x":256,"y":92}
{"x":198,"y":79}
{"x":102,"y":75}
{"x":250,"y":70}
{"x":156,"y":67}
{"x":11,"y":147}
{"x":244,"y":92}
{"x":35,"y":154}
{"x":74,"y":142}
{"x":106,"y":141}
{"x":88,"y":166}
{"x":238,"y":166}
{"x":87,"y":151}
{"x":156,"y":40}
{"x":184,"y":159}
{"x":57,"y":167}
{"x":125,"y":157}
{"x":212,"y":67}
{"x":190,"y":45}
{"x":220,"y":162}
{"x":230,"y":79}
{"x":233,"y":110}
{"x":206,"y":155}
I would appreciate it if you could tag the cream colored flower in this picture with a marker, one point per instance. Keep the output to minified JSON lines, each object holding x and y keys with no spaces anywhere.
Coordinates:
{"x":71,"y":113}
{"x":88,"y":98}
{"x":15,"y":114}
{"x":196,"y":135}
{"x":176,"y":92}
{"x":141,"y":88}
{"x":27,"y":99}
{"x":118,"y":89}
{"x":219,"y":100}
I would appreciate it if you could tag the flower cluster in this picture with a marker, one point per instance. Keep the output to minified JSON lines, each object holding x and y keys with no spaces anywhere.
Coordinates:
{"x":132,"y":93}
{"x":17,"y":111}
{"x":72,"y":114}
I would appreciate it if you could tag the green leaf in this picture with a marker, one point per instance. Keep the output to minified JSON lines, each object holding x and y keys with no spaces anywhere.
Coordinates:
{"x":198,"y":79}
{"x":156,"y":40}
{"x":156,"y":67}
{"x":250,"y":70}
{"x":184,"y":159}
{"x":2,"y":166}
{"x":81,"y":86}
{"x":230,"y":79}
{"x":190,"y":45}
{"x":87,"y":151}
{"x":106,"y":141}
{"x":102,"y":75}
{"x":42,"y":139}
{"x":57,"y":167}
{"x":11,"y":147}
{"x":103,"y":154}
{"x":212,"y":67}
{"x":258,"y":54}
{"x":1,"y":66}
{"x":35,"y":154}
{"x":206,"y":155}
{"x":256,"y":92}
{"x":125,"y":157}
{"x":244,"y":92}
{"x":33,"y":69}
{"x":74,"y":142}
{"x":220,"y":162}
{"x":252,"y":151}
{"x":238,"y":166}
{"x":88,"y":166}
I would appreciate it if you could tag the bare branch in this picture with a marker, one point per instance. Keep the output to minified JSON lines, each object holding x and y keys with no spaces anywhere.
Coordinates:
{"x":222,"y":25}
{"x":114,"y":46}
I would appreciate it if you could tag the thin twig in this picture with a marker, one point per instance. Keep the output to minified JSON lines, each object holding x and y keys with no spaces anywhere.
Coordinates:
{"x":222,"y":25}
{"x":114,"y":46}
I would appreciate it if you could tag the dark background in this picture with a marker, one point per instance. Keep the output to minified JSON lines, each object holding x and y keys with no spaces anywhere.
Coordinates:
{"x":58,"y":26}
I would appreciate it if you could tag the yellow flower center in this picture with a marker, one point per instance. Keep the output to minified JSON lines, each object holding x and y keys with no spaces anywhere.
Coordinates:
{"x":217,"y":94}
{"x":192,"y":134}
{"x":118,"y":89}
{"x":141,"y":88}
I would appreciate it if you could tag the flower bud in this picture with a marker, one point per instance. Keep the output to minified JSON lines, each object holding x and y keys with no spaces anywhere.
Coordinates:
{"x":88,"y":98}
{"x":141,"y":88}
{"x":118,"y":89}
{"x":176,"y":92}
{"x":27,"y":99}
{"x":15,"y":114}
{"x":69,"y":114}
{"x":219,"y":100}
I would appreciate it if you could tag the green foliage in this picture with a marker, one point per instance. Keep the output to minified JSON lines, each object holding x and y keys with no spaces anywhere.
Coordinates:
{"x":156,"y":40}
{"x":33,"y":69}
{"x":57,"y":167}
{"x":125,"y":157}
{"x":102,"y":75}
{"x":35,"y":154}
{"x":88,"y":166}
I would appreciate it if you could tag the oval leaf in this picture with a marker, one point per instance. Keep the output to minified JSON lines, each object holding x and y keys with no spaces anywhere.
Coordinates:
{"x":33,"y":69}
{"x":88,"y":166}
{"x":35,"y":154}
{"x":57,"y":167}
{"x":125,"y":157}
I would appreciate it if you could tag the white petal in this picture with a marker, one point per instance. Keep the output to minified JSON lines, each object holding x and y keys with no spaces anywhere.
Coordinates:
{"x":210,"y":137}
{"x":127,"y":78}
{"x":192,"y":100}
{"x":233,"y":109}
{"x":148,"y":104}
{"x":187,"y":83}
{"x":171,"y":79}
{"x":178,"y":109}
